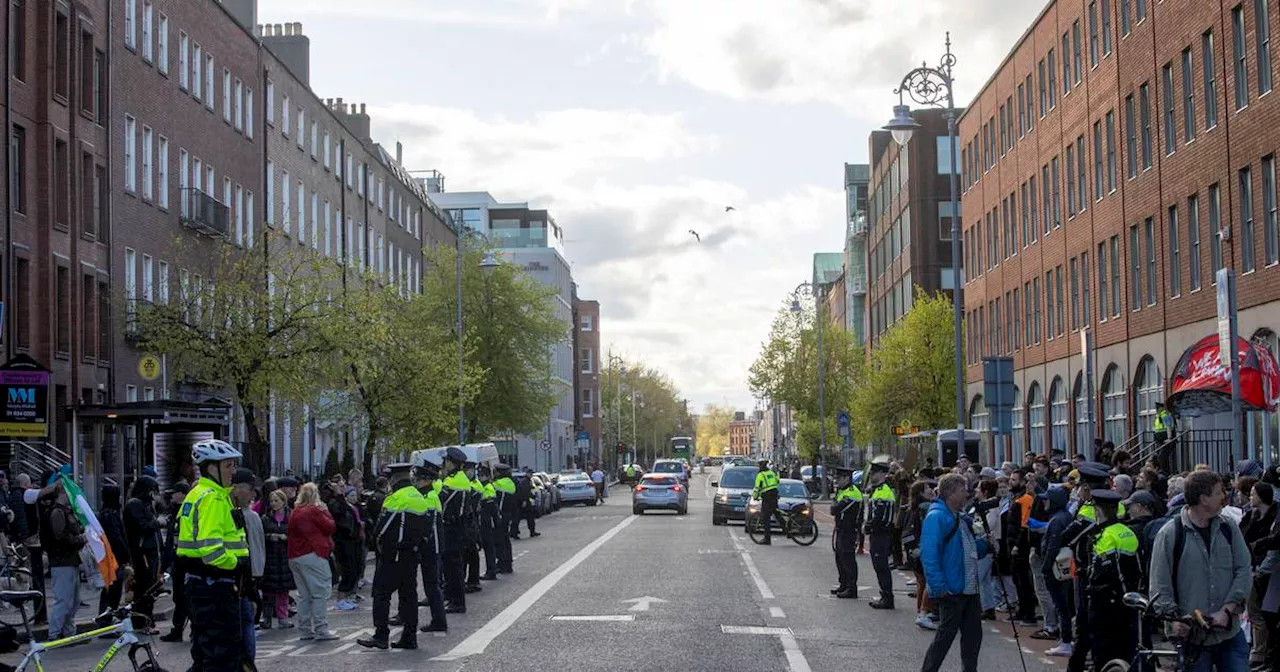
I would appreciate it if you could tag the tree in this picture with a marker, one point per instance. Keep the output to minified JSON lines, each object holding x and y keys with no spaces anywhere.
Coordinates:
{"x":509,"y":325}
{"x":252,"y":323}
{"x":332,"y":463}
{"x":349,"y":463}
{"x":659,"y":414}
{"x":809,"y":436}
{"x":911,"y":374}
{"x":713,"y":430}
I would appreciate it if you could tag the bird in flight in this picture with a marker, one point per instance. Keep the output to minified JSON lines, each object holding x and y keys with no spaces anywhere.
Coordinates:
{"x":695,"y":235}
{"x":729,"y":208}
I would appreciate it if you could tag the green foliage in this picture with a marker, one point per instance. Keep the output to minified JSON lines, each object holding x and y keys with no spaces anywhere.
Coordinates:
{"x":348,"y":463}
{"x":509,"y":327}
{"x":911,"y":374}
{"x":332,"y":465}
{"x":659,"y":412}
{"x":713,"y":430}
{"x":809,"y":437}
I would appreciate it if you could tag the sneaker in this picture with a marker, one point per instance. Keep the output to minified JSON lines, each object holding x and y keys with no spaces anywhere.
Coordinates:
{"x":925,"y":622}
{"x":1062,"y":650}
{"x":325,"y":636}
{"x":911,"y":582}
{"x":345,"y":605}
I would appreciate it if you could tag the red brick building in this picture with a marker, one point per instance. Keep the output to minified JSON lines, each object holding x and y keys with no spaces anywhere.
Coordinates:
{"x":1110,"y":166}
{"x":740,"y":431}
{"x":586,"y":346}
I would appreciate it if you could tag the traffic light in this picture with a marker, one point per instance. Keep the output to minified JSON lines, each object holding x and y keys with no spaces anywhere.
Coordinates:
{"x":622,"y":447}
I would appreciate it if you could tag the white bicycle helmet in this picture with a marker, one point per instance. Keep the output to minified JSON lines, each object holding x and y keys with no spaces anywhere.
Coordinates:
{"x":213,"y":450}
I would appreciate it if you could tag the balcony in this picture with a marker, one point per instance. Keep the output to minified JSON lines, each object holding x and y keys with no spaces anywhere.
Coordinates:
{"x":205,"y":213}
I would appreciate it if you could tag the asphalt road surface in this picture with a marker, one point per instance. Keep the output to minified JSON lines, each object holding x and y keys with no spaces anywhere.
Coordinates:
{"x":602,"y":589}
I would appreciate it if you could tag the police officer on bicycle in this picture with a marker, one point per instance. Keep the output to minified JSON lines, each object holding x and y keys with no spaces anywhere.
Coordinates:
{"x":766,"y":489}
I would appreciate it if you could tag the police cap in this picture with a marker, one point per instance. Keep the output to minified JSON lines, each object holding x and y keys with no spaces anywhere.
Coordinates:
{"x":880,"y":463}
{"x":1106,"y":497}
{"x":456,"y":455}
{"x":421,"y":473}
{"x":399,"y":470}
{"x":1094,"y":474}
{"x":843,"y":471}
{"x":502,"y":468}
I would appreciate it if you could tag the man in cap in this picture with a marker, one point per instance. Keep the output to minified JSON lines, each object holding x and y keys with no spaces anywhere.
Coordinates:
{"x":489,"y":519}
{"x":471,"y":551}
{"x":881,"y":511}
{"x":175,"y":494}
{"x":505,"y":490}
{"x":846,"y":509}
{"x":426,"y":476}
{"x":454,"y":491}
{"x":1080,"y":536}
{"x":244,"y":489}
{"x":400,"y":529}
{"x":1113,"y":570}
{"x":289,"y":486}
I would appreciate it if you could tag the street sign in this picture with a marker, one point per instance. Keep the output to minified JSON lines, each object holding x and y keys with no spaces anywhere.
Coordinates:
{"x":24,"y":398}
{"x":997,"y":392}
{"x":584,"y":440}
{"x":546,"y":445}
{"x":842,"y":423}
{"x":149,"y":367}
{"x":1226,"y":348}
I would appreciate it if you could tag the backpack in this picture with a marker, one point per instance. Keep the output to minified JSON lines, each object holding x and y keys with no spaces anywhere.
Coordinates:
{"x":1180,"y":543}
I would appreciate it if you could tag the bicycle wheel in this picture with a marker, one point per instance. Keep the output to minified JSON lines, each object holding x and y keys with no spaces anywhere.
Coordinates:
{"x":807,"y":532}
{"x":1116,"y":665}
{"x":16,"y":578}
{"x":755,"y":529}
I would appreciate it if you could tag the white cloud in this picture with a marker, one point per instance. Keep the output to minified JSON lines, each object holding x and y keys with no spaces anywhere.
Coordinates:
{"x":698,"y":311}
{"x":851,"y":53}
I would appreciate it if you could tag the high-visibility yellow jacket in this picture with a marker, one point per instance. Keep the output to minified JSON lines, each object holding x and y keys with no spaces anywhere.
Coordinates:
{"x":209,"y":540}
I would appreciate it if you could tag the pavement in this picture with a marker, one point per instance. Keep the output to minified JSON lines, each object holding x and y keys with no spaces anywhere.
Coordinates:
{"x":602,"y":589}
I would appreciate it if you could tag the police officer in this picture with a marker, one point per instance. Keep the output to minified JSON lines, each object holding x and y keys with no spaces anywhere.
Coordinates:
{"x":401,"y":527}
{"x":471,"y":551}
{"x":766,"y":490}
{"x":1080,"y":536}
{"x":1114,"y":570}
{"x":454,"y":491}
{"x":214,"y":556}
{"x":426,"y":476}
{"x":505,"y":492}
{"x":881,"y":511}
{"x":489,"y":519}
{"x":846,"y":509}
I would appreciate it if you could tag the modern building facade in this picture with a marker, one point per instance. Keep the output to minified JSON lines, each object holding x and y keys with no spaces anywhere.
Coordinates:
{"x":532,"y":240}
{"x":586,"y":346}
{"x":909,"y":224}
{"x":857,"y":186}
{"x":1120,"y":155}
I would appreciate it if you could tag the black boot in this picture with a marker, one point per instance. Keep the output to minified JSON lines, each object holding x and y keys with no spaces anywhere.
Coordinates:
{"x":881,"y":603}
{"x":434,"y":627}
{"x":372,"y":643}
{"x":848,"y":594}
{"x":407,"y":644}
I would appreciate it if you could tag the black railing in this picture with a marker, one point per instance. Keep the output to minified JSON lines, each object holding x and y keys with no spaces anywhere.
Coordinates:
{"x":1189,"y":448}
{"x":205,"y":213}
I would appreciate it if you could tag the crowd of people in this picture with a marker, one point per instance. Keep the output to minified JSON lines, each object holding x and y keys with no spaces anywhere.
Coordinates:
{"x":1053,"y":545}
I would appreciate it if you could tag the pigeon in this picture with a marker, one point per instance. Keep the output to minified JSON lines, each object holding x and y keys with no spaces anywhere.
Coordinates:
{"x":729,"y":208}
{"x":695,"y":235}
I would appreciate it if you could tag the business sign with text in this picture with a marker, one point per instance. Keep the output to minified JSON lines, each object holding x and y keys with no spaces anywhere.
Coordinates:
{"x":24,"y":398}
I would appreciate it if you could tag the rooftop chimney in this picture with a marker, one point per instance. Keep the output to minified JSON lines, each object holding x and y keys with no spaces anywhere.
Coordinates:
{"x":289,"y":45}
{"x":399,"y":153}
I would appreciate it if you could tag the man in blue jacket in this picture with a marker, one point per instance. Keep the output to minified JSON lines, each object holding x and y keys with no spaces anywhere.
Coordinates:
{"x":949,"y":553}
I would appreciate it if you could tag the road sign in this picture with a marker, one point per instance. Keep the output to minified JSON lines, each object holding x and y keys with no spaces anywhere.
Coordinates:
{"x":546,"y":445}
{"x":1226,"y":348}
{"x":149,"y":367}
{"x":584,"y":440}
{"x":997,"y":392}
{"x":842,"y":423}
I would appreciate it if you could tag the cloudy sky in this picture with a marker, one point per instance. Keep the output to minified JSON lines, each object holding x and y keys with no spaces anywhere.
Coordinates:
{"x":635,"y":121}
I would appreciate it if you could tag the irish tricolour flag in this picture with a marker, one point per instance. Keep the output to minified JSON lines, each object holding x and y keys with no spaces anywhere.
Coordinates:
{"x":96,"y":537}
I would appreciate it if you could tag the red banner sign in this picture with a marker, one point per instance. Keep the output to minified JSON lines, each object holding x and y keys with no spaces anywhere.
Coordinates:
{"x":1202,"y":385}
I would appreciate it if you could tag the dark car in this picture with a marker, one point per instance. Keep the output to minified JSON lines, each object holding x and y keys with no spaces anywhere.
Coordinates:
{"x":732,"y":492}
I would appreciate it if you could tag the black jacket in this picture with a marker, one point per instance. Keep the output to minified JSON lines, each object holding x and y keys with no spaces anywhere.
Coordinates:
{"x":113,"y":523}
{"x":141,"y":525}
{"x":20,"y":528}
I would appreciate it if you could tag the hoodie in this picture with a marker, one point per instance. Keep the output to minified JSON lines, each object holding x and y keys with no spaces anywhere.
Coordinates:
{"x":113,"y":523}
{"x":1059,"y":519}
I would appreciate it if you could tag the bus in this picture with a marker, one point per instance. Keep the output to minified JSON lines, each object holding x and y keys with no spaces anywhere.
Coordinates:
{"x":682,"y":446}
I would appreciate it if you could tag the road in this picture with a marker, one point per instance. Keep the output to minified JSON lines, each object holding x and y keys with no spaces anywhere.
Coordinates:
{"x":602,"y":589}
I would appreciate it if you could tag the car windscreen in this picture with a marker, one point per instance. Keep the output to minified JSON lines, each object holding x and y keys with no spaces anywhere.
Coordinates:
{"x":668,"y":467}
{"x":738,"y":478}
{"x":659,"y":480}
{"x":792,"y":490}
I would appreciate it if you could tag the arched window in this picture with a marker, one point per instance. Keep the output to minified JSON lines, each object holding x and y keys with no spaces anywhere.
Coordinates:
{"x":1084,"y":441}
{"x":1035,"y":413}
{"x":1019,"y":426}
{"x":1150,"y":390}
{"x":979,"y":417}
{"x":1115,"y":416}
{"x":1057,"y":415}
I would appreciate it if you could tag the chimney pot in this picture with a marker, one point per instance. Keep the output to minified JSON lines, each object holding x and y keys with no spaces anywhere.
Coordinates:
{"x":297,"y":28}
{"x":279,"y":29}
{"x":399,"y":152}
{"x":362,"y":108}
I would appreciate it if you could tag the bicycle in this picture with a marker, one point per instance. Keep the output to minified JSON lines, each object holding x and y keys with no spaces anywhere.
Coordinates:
{"x":797,"y":526}
{"x":1148,"y":658}
{"x":137,"y":640}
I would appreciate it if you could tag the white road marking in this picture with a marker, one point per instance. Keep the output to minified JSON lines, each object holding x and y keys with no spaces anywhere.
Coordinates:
{"x":751,"y":569}
{"x":479,"y":640}
{"x":604,"y":617}
{"x":1048,"y":661}
{"x":777,"y":612}
{"x":642,"y":603}
{"x":753,"y":630}
{"x":790,"y":647}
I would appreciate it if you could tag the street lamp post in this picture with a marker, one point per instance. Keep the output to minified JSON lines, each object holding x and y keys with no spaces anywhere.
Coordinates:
{"x":488,"y":263}
{"x":822,"y":369}
{"x":934,"y":87}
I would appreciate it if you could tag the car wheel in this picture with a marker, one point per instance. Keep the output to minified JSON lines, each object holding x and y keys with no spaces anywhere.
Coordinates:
{"x":635,"y":510}
{"x":717,"y":521}
{"x":684,"y":511}
{"x":591,"y":502}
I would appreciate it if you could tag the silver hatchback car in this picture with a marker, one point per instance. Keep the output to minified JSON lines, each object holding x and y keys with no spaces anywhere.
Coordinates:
{"x":660,"y":491}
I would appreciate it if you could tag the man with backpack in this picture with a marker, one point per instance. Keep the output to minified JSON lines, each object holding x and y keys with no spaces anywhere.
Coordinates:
{"x":62,"y":537}
{"x":949,"y":553}
{"x":1200,"y":561}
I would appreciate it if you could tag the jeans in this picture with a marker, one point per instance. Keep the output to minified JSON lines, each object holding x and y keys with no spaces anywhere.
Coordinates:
{"x":66,"y":600}
{"x":315,"y":583}
{"x":1229,"y":656}
{"x":248,"y":632}
{"x":986,"y":585}
{"x":960,"y":614}
{"x":1058,"y":595}
{"x":1047,"y":605}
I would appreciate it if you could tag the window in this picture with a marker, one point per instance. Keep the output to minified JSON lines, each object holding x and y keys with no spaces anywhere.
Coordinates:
{"x":1057,"y":288}
{"x":1246,"y":220}
{"x":1144,"y":104}
{"x":130,"y":285}
{"x":197,"y":70}
{"x":248,"y":112}
{"x":18,"y":176}
{"x":148,"y":174}
{"x":1035,"y":294}
{"x":1066,"y":63}
{"x":588,"y":403}
{"x":1047,"y":199}
{"x":1215,"y":230}
{"x":1074,"y":282}
{"x":1262,"y":33}
{"x":1076,"y":56}
{"x":162,"y":291}
{"x":209,"y":84}
{"x":1071,"y":180}
{"x":1084,"y":289}
{"x":271,"y":193}
{"x":184,"y":71}
{"x":945,"y":152}
{"x":131,"y":24}
{"x":1106,"y":27}
{"x":1149,"y":239}
{"x":88,"y":195}
{"x":61,"y":183}
{"x":1193,"y":241}
{"x":1140,"y":11}
{"x":1175,"y":253}
{"x":1114,"y":406}
{"x":62,"y":292}
{"x":1098,"y":187}
{"x":1103,"y":296}
{"x":61,"y":55}
{"x":18,"y":18}
{"x":100,"y":80}
{"x":1188,"y":99}
{"x":1115,"y":275}
{"x":302,"y":127}
{"x":104,"y":320}
{"x":1210,"y":80}
{"x":130,"y":154}
{"x":148,"y":282}
{"x":586,"y":364}
{"x":1125,"y":27}
{"x":1270,"y":234}
{"x":162,"y":57}
{"x":315,"y":139}
{"x":1057,"y":205}
{"x":88,"y":321}
{"x":1135,"y":268}
{"x":226,"y":95}
{"x":302,"y":212}
{"x":1030,"y":110}
{"x":1170,"y":121}
{"x":88,"y":74}
{"x":587,"y":322}
{"x":22,"y":297}
{"x":1093,"y":35}
{"x":1053,"y":87}
{"x":286,"y":217}
{"x":1111,"y":151}
{"x":1241,"y":82}
{"x":325,"y":153}
{"x":102,"y":197}
{"x":1035,"y":414}
{"x":239,"y":214}
{"x":148,"y":47}
{"x":1130,"y":137}
{"x":1041,"y":79}
{"x":238,"y":114}
{"x":249,"y":215}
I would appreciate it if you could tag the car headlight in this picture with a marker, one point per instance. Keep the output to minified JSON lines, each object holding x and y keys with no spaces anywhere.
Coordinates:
{"x":722,"y":498}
